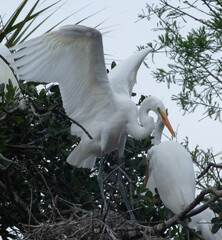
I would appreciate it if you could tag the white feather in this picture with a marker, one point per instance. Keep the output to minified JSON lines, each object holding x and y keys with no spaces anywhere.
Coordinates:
{"x":73,"y":56}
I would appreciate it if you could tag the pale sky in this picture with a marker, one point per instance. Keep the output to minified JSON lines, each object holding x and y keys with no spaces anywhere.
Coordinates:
{"x":126,"y":33}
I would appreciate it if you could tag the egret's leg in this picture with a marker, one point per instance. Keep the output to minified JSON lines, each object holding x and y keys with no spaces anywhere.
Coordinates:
{"x":187,"y":231}
{"x":123,"y":192}
{"x":100,"y":181}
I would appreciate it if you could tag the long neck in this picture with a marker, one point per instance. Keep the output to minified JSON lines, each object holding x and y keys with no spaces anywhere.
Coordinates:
{"x":157,"y":133}
{"x":148,"y":105}
{"x":139,"y":132}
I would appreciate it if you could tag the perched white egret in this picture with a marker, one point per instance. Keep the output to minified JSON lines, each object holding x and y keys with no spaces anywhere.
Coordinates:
{"x":73,"y":56}
{"x":5,"y":71}
{"x":170,"y":168}
{"x":202,"y":222}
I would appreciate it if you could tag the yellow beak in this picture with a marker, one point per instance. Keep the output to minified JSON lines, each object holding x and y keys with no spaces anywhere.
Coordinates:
{"x":168,"y":125}
{"x":166,"y":121}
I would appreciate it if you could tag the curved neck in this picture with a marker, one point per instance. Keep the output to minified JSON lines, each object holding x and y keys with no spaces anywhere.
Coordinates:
{"x":144,"y":117}
{"x":139,"y":132}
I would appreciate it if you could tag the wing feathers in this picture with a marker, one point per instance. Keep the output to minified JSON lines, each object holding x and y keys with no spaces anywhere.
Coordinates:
{"x":73,"y":57}
{"x":127,"y":69}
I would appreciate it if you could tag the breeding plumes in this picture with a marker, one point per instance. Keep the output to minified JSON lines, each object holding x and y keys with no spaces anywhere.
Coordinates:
{"x":171,"y":169}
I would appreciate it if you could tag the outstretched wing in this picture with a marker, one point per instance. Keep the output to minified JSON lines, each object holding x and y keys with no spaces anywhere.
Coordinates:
{"x":127,"y":71}
{"x":72,"y":56}
{"x":5,"y":71}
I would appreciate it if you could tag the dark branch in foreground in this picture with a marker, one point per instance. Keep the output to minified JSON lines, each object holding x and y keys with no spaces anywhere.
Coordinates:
{"x":186,"y":213}
{"x":208,"y":167}
{"x":75,"y":122}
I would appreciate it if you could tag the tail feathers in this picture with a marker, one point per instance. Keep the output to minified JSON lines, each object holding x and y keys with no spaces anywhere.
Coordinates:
{"x":79,"y":158}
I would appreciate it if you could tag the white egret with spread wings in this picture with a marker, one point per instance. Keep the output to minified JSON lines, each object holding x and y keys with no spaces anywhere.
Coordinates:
{"x":73,"y":56}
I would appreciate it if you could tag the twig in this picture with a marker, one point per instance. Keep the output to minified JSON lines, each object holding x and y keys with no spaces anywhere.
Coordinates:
{"x":5,"y":60}
{"x":16,"y":199}
{"x":75,"y":122}
{"x":210,"y":73}
{"x":191,"y":230}
{"x":25,"y":146}
{"x":187,"y":211}
{"x":109,"y":231}
{"x":187,"y":14}
{"x":212,"y":10}
{"x":208,"y":167}
{"x":116,"y":167}
{"x":8,"y":160}
{"x":39,"y":115}
{"x":50,"y":193}
{"x":9,"y":113}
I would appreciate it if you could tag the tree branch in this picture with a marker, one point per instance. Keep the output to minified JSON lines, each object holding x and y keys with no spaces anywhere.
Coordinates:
{"x":187,"y":14}
{"x":208,"y":167}
{"x":187,"y":211}
{"x":75,"y":122}
{"x":16,"y":199}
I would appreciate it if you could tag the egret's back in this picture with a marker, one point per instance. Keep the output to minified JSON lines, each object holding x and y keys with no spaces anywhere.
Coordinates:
{"x":173,"y":175}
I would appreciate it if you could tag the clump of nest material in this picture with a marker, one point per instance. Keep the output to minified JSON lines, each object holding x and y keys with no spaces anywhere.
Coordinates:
{"x":89,"y":226}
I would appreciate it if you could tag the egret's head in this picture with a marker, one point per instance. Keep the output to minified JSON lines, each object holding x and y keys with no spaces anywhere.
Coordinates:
{"x":165,"y":120}
{"x":154,"y":104}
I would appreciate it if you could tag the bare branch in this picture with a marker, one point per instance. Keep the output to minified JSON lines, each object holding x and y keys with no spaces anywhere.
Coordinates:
{"x":210,"y":73}
{"x":10,"y":68}
{"x":208,"y":167}
{"x":192,"y":230}
{"x":187,"y":211}
{"x":187,"y":14}
{"x":25,"y":146}
{"x":16,"y":199}
{"x":9,"y":113}
{"x":212,"y":10}
{"x":75,"y":122}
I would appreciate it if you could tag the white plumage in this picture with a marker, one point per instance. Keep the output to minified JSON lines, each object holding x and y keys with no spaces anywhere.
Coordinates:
{"x":171,"y":170}
{"x":73,"y":56}
{"x":5,"y":71}
{"x":202,"y":222}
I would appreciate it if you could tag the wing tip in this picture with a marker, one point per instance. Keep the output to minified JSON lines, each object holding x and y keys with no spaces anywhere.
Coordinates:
{"x":81,"y":30}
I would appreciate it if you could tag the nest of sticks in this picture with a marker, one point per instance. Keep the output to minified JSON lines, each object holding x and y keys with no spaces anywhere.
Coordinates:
{"x":88,"y":225}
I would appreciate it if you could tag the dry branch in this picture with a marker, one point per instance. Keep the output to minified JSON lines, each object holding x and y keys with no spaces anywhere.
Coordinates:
{"x":188,"y":211}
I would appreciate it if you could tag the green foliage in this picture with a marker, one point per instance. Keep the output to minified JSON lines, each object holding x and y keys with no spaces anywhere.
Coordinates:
{"x":16,"y":30}
{"x":35,"y":141}
{"x":34,"y":145}
{"x":38,"y":186}
{"x":190,"y":35}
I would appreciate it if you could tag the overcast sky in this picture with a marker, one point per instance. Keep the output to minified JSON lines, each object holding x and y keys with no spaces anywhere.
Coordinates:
{"x":126,"y":34}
